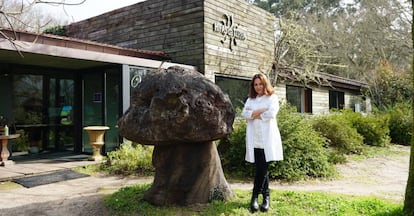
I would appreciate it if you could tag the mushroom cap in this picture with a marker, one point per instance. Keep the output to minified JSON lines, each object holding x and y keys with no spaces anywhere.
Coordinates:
{"x":177,"y":105}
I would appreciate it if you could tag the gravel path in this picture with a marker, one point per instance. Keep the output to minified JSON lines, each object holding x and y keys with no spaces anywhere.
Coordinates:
{"x":380,"y":176}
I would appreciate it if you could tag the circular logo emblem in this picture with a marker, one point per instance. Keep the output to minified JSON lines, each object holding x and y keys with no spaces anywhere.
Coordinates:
{"x":135,"y":80}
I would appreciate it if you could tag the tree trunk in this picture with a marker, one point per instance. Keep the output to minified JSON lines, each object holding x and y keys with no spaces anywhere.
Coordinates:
{"x":409,"y":191}
{"x":187,"y":174}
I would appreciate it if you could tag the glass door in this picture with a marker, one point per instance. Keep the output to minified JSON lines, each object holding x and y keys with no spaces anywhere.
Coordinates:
{"x":102,"y":105}
{"x":113,"y":108}
{"x":60,"y":116}
{"x":28,"y":109}
{"x":43,"y":109}
{"x":93,"y":104}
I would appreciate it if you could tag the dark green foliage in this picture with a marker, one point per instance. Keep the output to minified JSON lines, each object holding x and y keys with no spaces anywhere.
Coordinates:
{"x":339,"y":133}
{"x":304,"y":152}
{"x":233,"y":156}
{"x":374,"y":128}
{"x":119,"y":203}
{"x":334,"y":157}
{"x":130,"y":159}
{"x":56,"y":30}
{"x":400,"y":123}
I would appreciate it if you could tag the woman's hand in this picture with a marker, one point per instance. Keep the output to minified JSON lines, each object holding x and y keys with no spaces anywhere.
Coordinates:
{"x":256,"y":114}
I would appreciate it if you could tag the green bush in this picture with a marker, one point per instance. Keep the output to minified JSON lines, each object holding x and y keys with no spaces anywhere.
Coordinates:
{"x":339,"y":133}
{"x":401,"y":123}
{"x":373,"y":128}
{"x":130,"y":159}
{"x":334,"y":157}
{"x":233,"y":149}
{"x":304,"y":154}
{"x":56,"y":30}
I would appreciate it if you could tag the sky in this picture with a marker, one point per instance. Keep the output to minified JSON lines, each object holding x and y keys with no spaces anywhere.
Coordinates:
{"x":86,"y":10}
{"x":89,"y":8}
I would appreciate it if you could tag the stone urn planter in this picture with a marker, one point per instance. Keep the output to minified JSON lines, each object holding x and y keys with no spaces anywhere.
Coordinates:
{"x":96,"y":140}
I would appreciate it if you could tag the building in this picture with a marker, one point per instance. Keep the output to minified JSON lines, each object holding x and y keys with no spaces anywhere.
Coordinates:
{"x":332,"y":92}
{"x":228,"y":41}
{"x":51,"y":87}
{"x":63,"y":84}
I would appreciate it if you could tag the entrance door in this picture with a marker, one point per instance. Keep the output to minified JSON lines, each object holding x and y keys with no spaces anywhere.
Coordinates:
{"x":43,"y":110}
{"x":60,"y":108}
{"x":93,"y":104}
{"x":101,"y":105}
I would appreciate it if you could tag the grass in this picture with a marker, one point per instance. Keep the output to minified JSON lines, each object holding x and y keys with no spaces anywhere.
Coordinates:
{"x":129,"y":201}
{"x":7,"y":185}
{"x":375,"y":151}
{"x":91,"y":169}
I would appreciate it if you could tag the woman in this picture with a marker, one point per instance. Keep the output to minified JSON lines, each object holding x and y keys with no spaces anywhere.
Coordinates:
{"x":263,"y":142}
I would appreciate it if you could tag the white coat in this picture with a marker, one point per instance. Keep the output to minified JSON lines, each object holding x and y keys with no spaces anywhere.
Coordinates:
{"x":272,"y":141}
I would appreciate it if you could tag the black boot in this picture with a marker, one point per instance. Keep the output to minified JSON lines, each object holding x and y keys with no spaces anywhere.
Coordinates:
{"x":266,"y":202}
{"x":254,"y":205}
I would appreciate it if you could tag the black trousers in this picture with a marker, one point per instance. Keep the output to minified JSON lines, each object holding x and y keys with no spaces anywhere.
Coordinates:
{"x":261,"y":178}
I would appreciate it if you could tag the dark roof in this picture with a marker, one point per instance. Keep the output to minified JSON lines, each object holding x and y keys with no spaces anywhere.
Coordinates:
{"x":342,"y":82}
{"x":324,"y":79}
{"x":60,"y":41}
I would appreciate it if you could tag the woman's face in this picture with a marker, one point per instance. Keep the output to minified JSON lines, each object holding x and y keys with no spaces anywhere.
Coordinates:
{"x":258,"y":86}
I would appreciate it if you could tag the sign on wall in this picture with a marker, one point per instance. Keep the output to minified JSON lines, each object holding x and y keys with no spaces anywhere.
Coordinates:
{"x":229,"y":30}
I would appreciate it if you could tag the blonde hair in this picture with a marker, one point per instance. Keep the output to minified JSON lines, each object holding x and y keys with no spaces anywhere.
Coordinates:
{"x":268,"y":88}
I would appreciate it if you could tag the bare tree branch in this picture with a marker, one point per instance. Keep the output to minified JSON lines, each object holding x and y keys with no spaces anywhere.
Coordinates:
{"x":59,"y":2}
{"x":23,"y":15}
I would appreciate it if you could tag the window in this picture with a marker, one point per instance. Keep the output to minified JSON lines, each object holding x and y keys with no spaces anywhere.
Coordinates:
{"x":336,"y":100}
{"x":237,"y":89}
{"x":299,"y":97}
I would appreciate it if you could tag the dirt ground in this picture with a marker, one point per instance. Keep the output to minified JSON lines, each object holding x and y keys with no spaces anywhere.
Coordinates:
{"x":384,"y":176}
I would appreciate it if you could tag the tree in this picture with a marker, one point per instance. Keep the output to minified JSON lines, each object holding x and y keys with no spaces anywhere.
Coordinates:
{"x":409,"y":191}
{"x":27,"y":16}
{"x":282,"y":8}
{"x":373,"y":39}
{"x":362,"y":35}
{"x":388,"y":87}
{"x":297,"y":54}
{"x":354,"y":40}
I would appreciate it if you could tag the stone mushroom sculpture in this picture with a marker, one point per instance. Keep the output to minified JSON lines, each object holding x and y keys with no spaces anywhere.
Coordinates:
{"x":181,"y":113}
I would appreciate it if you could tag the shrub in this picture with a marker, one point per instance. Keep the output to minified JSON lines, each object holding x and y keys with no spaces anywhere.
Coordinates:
{"x":56,"y":30}
{"x":304,"y":152}
{"x":130,"y":159}
{"x":339,"y":133}
{"x":233,"y":149}
{"x":373,"y":128}
{"x":401,"y":123}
